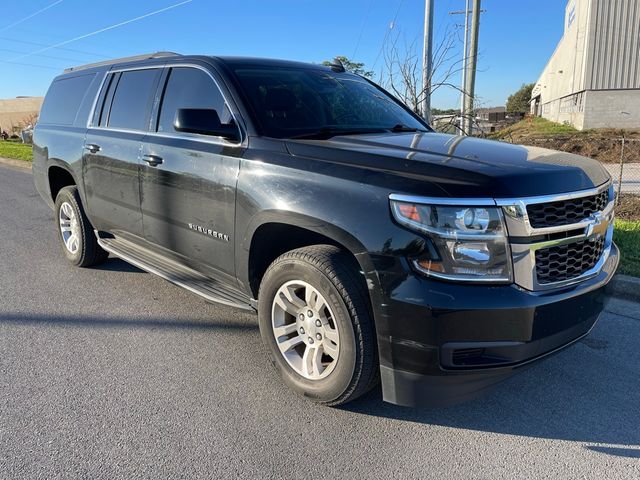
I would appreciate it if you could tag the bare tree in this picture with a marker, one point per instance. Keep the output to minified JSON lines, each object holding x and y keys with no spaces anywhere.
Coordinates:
{"x":402,"y":70}
{"x":30,"y":119}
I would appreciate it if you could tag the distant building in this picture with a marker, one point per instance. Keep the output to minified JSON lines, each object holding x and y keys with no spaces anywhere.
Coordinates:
{"x":17,"y":113}
{"x":493,"y":115}
{"x":593,"y":78}
{"x":489,"y":120}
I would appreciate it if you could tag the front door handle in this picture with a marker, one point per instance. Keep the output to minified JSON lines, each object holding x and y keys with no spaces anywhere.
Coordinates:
{"x":152,"y":160}
{"x":92,"y":147}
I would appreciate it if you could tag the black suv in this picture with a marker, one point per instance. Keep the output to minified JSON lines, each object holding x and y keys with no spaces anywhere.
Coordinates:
{"x":371,"y":247}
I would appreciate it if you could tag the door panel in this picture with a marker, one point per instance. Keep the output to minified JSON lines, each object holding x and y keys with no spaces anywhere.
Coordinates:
{"x":188,"y":189}
{"x":112,"y":150}
{"x":188,"y":201}
{"x":111,"y":180}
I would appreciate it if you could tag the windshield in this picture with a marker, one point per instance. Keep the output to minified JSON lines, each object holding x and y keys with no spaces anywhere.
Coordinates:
{"x":298,"y":103}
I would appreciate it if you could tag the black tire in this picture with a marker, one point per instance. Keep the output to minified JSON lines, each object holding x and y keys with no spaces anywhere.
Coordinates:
{"x":88,"y":253}
{"x":335,"y":274}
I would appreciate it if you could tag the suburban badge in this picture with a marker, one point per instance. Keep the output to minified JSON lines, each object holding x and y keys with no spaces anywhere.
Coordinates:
{"x":207,"y":231}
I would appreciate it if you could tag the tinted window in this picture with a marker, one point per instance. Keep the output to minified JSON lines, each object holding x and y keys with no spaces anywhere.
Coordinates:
{"x":131,"y":100}
{"x":190,"y":88}
{"x":290,"y":102}
{"x":112,"y":81}
{"x":63,"y":100}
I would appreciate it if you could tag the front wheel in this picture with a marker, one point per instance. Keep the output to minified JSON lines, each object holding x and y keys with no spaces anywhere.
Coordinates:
{"x":315,"y":321}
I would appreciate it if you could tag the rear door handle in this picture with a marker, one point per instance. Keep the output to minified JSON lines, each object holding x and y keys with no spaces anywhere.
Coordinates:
{"x":92,"y":147}
{"x":152,"y":160}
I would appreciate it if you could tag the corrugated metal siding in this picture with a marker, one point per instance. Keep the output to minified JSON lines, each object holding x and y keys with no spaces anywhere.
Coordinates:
{"x":616,"y":45}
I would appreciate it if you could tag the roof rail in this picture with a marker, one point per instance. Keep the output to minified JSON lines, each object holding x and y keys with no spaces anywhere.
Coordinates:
{"x":134,"y":58}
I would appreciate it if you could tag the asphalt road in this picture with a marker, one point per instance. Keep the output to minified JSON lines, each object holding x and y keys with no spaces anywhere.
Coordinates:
{"x":114,"y":373}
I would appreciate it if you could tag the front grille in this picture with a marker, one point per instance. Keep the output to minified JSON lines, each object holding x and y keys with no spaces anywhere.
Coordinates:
{"x":564,"y":262}
{"x":565,"y":212}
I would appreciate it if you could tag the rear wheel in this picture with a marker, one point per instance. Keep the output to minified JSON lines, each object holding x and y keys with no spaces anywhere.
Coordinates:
{"x":315,"y":320}
{"x":79,"y":243}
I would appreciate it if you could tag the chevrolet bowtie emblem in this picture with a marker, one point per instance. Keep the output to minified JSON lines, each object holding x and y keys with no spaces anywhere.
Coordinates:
{"x":598,"y":226}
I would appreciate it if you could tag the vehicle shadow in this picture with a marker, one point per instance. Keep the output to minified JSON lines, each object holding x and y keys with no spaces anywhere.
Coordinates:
{"x":616,"y":451}
{"x":241,"y":324}
{"x":570,"y":397}
{"x":113,"y":264}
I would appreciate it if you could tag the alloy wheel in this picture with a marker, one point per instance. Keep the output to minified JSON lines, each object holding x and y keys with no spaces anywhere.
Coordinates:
{"x":305,"y":330}
{"x":69,"y":227}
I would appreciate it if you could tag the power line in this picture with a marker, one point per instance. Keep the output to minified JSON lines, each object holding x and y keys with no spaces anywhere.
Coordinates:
{"x":18,"y":22}
{"x":30,"y":65}
{"x":52,"y":57}
{"x":81,"y":37}
{"x":364,"y":23}
{"x":36,"y":44}
{"x":386,"y":35}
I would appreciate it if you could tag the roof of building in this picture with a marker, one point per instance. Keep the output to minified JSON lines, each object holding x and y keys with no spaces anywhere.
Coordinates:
{"x":492,"y":110}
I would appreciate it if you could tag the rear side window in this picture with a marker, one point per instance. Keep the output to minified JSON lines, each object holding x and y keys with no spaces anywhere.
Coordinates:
{"x":132,"y":99}
{"x":190,"y":88}
{"x":63,"y":100}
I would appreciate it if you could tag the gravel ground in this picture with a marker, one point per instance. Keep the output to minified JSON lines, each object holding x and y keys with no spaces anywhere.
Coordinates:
{"x":114,"y":373}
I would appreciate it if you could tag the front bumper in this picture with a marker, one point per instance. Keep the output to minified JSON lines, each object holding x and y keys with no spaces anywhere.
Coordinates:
{"x":443,"y":343}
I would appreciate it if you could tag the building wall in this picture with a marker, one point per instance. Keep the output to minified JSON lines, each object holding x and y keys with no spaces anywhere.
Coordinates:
{"x":593,"y":78}
{"x":15,"y":111}
{"x":569,"y":109}
{"x":612,"y":109}
{"x":564,"y":72}
{"x":614,"y":56}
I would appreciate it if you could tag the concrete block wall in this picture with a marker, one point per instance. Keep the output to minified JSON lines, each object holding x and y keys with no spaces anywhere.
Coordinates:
{"x":552,"y":112}
{"x":612,"y":109}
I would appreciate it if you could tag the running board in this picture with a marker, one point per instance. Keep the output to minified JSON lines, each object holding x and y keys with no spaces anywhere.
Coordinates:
{"x":176,"y":273}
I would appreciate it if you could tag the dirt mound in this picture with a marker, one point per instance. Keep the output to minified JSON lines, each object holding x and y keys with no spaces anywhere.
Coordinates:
{"x":628,"y":208}
{"x":604,"y":145}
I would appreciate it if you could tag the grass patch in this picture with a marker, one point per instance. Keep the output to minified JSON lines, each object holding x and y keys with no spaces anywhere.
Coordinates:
{"x":18,"y":151}
{"x":533,"y":126}
{"x":627,"y":236}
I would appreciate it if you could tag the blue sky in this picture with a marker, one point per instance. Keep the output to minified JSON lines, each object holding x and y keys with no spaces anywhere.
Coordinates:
{"x":516,"y":36}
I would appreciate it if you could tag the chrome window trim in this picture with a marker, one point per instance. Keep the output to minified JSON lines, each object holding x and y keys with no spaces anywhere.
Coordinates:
{"x":212,"y":140}
{"x":104,"y":79}
{"x":516,"y":222}
{"x":92,"y":112}
{"x":203,"y":138}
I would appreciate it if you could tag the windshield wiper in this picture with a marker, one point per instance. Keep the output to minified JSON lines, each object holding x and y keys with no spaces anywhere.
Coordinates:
{"x":403,"y":128}
{"x":328,"y":132}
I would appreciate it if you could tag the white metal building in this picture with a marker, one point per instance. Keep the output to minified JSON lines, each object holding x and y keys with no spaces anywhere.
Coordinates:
{"x":593,"y":78}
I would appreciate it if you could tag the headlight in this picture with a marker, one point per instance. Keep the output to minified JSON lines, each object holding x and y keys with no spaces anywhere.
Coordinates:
{"x":469,"y":242}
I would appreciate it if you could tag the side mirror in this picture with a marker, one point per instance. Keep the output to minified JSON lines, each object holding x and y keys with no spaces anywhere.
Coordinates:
{"x":205,"y":122}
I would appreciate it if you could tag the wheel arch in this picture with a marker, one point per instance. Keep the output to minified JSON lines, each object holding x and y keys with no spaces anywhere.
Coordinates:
{"x":60,"y":175}
{"x":275,"y":232}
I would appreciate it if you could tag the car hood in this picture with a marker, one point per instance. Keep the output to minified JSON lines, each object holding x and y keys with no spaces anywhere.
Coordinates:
{"x":459,"y":166}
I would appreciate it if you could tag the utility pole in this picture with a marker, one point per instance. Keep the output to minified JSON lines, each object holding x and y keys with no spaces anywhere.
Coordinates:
{"x":470,"y":80}
{"x":427,"y":61}
{"x":465,"y":57}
